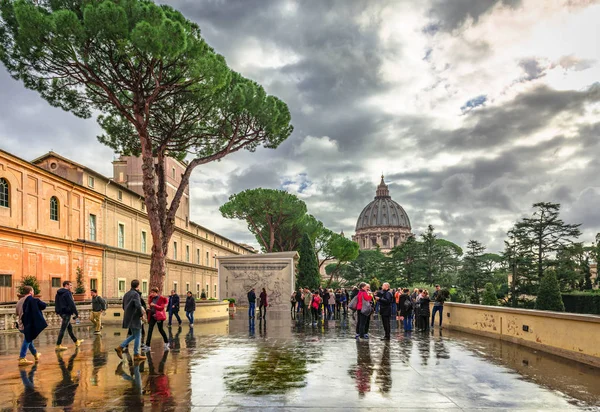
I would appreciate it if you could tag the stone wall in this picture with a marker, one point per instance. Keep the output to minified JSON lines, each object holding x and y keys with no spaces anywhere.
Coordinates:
{"x":273,"y":271}
{"x":570,"y":335}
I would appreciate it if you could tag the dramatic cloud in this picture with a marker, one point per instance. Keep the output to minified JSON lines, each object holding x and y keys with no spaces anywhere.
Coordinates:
{"x":473,"y":109}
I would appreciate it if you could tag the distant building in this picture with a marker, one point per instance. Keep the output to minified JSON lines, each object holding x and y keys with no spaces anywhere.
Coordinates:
{"x":57,"y":215}
{"x":383,"y":223}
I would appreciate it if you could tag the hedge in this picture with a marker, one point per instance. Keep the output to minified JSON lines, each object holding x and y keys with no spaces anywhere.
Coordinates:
{"x":582,"y":303}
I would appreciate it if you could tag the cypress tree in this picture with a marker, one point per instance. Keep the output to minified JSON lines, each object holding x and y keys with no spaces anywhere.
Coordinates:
{"x":489,"y":295}
{"x":308,"y":267}
{"x":549,"y":297}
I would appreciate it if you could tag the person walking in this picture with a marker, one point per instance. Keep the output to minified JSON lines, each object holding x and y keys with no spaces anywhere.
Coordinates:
{"x":190,"y":307}
{"x":251,"y":303}
{"x":98,"y":309}
{"x":406,"y":310}
{"x":424,"y":310}
{"x":439,"y":297}
{"x":331,"y":304}
{"x":307,"y":303}
{"x":262,"y":309}
{"x":65,"y":308}
{"x":314,"y":307}
{"x":31,"y":323}
{"x":385,"y":298}
{"x":364,"y":298}
{"x":157,"y":316}
{"x":174,"y":307}
{"x":299,"y":301}
{"x":132,"y":319}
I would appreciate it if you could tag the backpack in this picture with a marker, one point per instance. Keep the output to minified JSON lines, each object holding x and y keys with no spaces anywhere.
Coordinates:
{"x":408,"y":304}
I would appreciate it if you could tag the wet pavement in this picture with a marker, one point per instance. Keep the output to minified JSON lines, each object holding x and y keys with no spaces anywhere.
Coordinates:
{"x":286,"y":365}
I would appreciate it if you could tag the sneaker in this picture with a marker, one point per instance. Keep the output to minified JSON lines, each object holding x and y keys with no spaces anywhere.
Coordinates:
{"x":191,"y":325}
{"x":78,"y":343}
{"x":137,"y":358}
{"x":119,"y":351}
{"x":145,"y":348}
{"x":126,"y":349}
{"x":37,"y":356}
{"x":356,"y":336}
{"x":24,"y":362}
{"x":166,"y":348}
{"x":60,"y":348}
{"x":366,"y":336}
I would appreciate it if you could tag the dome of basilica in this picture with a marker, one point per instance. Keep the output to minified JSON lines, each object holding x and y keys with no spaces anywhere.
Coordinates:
{"x":383,"y":223}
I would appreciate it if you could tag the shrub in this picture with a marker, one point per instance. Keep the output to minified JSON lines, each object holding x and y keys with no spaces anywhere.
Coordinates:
{"x":29,"y":281}
{"x":80,"y":288}
{"x":549,"y":297}
{"x":230,"y":300}
{"x":578,"y":302}
{"x":489,"y":295}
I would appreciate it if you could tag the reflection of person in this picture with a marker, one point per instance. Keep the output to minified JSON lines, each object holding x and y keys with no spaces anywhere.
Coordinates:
{"x":174,"y":307}
{"x":190,"y":339}
{"x":174,"y":340}
{"x":384,"y":373}
{"x":31,"y":323}
{"x":30,"y":398}
{"x":99,"y":359}
{"x":424,"y":347}
{"x":132,"y":396}
{"x":364,"y":368}
{"x":64,"y":391}
{"x":157,"y":384}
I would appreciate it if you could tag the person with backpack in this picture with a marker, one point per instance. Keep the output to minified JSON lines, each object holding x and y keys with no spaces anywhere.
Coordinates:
{"x":157,"y":316}
{"x":385,"y":298}
{"x":406,"y":310}
{"x":98,"y":309}
{"x":424,"y":310}
{"x":364,"y":300}
{"x":439,"y":297}
{"x":314,"y":306}
{"x":65,"y":308}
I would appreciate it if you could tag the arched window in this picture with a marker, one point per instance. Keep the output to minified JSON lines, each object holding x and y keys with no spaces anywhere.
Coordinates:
{"x":4,"y":193}
{"x":54,"y":213}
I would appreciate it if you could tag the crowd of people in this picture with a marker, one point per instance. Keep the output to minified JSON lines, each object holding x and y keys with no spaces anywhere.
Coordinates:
{"x":411,"y":309}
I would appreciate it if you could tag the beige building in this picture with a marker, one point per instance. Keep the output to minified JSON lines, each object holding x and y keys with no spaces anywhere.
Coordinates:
{"x":100,"y":214}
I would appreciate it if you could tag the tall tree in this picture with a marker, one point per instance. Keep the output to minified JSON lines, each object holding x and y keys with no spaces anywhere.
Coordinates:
{"x":519,"y":258}
{"x":160,"y":89}
{"x":473,"y":273}
{"x":545,"y":233}
{"x":549,"y":297}
{"x":276,"y":218}
{"x":308,"y":267}
{"x":342,"y":250}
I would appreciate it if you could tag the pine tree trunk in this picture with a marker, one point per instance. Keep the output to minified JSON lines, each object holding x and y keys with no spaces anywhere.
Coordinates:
{"x":157,"y":268}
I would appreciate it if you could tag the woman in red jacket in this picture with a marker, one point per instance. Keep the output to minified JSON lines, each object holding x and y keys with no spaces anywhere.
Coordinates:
{"x":364,"y":298}
{"x":157,"y":316}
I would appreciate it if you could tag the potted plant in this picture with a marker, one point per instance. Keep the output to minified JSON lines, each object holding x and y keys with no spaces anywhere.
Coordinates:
{"x":203,"y":295}
{"x":231,"y":302}
{"x":79,"y":295}
{"x":29,"y":281}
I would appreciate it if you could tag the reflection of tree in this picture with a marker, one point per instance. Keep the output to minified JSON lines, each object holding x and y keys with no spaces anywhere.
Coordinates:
{"x":363,"y":370}
{"x":440,"y":350}
{"x":273,"y":370}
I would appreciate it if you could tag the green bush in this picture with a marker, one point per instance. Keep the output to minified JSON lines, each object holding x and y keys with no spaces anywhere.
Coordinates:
{"x":29,"y":281}
{"x":580,"y":302}
{"x":80,"y":288}
{"x":230,"y":300}
{"x":489,"y":295}
{"x":548,"y":297}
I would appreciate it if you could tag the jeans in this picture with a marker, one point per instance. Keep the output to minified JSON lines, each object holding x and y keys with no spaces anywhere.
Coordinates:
{"x":65,"y":326}
{"x":408,"y":322}
{"x":174,"y":313}
{"x":27,"y":345}
{"x":160,"y":330}
{"x":95,"y":318}
{"x":190,"y":316}
{"x":299,"y":307}
{"x":437,"y":309}
{"x":252,"y":310}
{"x":136,"y":337}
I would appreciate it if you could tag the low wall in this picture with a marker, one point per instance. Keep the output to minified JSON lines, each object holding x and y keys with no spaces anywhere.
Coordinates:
{"x":205,"y":312}
{"x":570,"y":335}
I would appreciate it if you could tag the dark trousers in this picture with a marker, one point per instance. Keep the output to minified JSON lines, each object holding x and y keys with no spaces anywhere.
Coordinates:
{"x":65,"y":326}
{"x":160,"y":330}
{"x":176,"y":314}
{"x":385,"y":321}
{"x":435,"y":310}
{"x":315,"y":314}
{"x":262,"y":311}
{"x":363,"y":322}
{"x":424,"y":321}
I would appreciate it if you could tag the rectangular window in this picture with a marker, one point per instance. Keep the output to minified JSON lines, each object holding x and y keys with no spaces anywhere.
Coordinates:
{"x":121,"y":287}
{"x":175,"y":288}
{"x":121,"y":235}
{"x":93,"y":284}
{"x":215,"y":292}
{"x":144,"y":287}
{"x":197,"y":290}
{"x":143,"y":207}
{"x":207,"y":291}
{"x":120,"y":195}
{"x":90,"y":181}
{"x":173,"y":173}
{"x":207,"y":259}
{"x":187,"y":253}
{"x":215,"y":260}
{"x":197,"y":256}
{"x":143,"y":245}
{"x":93,"y":228}
{"x":187,"y":287}
{"x":56,"y":282}
{"x":175,"y":250}
{"x":5,"y":281}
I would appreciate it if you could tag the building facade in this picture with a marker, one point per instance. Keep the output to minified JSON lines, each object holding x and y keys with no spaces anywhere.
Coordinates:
{"x":383,"y":223}
{"x":102,"y":227}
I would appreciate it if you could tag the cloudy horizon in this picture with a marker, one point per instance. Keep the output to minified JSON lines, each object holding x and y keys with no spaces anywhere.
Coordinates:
{"x":472,"y":109}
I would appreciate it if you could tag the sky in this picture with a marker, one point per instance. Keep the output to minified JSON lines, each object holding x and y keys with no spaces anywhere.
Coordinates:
{"x":472,"y":109}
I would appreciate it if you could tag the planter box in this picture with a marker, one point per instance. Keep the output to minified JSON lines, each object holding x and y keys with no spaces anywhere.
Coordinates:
{"x":79,"y":297}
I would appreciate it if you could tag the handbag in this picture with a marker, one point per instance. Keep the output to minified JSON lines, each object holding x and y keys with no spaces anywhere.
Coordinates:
{"x":353,"y":303}
{"x":366,"y":309}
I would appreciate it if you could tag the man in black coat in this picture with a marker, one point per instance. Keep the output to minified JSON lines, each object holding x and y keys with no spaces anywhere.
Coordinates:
{"x":132,"y":320}
{"x":65,"y":308}
{"x":384,"y":297}
{"x":174,"y":307}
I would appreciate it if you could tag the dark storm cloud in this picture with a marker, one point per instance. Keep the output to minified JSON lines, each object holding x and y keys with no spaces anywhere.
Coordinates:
{"x":532,"y":68}
{"x":450,"y":15}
